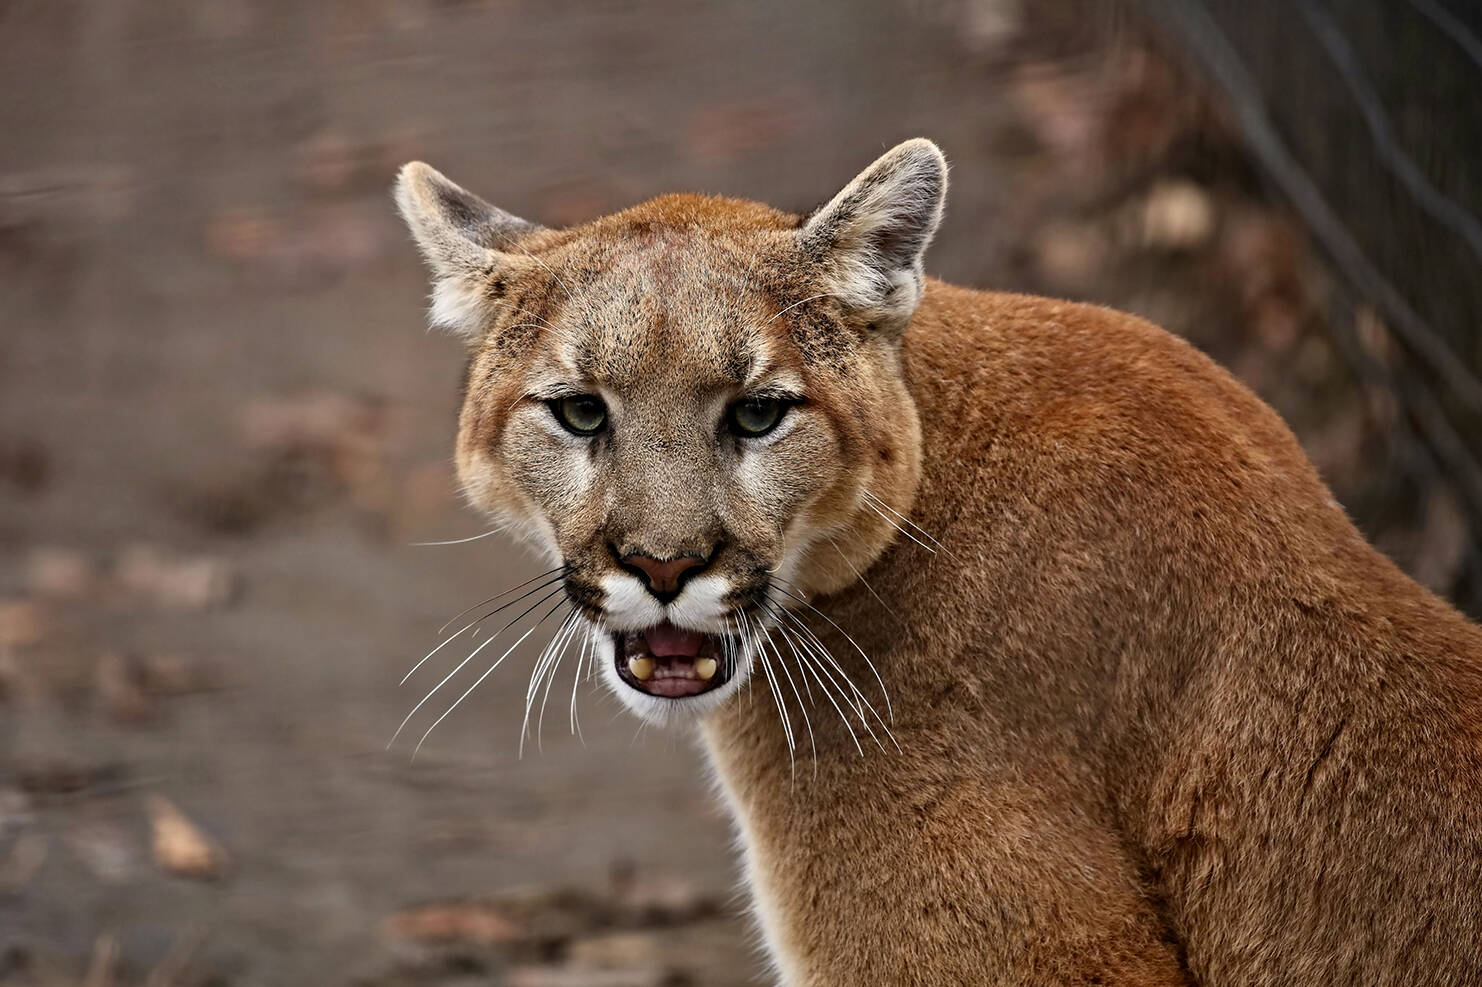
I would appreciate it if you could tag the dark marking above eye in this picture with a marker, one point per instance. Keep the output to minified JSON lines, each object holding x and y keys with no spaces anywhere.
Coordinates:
{"x":736,"y":363}
{"x":820,"y":339}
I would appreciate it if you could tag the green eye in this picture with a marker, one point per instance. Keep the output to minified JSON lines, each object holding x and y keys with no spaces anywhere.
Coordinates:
{"x":580,"y":414}
{"x":755,"y":417}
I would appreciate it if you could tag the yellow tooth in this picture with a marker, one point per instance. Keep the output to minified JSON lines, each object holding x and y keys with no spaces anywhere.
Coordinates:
{"x":705,"y":668}
{"x":642,"y":668}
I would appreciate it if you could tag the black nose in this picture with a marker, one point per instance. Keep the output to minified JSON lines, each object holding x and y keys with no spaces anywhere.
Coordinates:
{"x":663,"y":577}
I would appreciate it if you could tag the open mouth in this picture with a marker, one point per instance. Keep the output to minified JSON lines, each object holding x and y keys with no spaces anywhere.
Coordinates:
{"x":669,"y":662}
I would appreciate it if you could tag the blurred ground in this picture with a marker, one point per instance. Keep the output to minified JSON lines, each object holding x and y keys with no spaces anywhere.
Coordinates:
{"x":222,"y":425}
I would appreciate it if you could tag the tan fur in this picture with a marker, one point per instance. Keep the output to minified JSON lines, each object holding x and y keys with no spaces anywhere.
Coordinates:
{"x":1163,"y":716}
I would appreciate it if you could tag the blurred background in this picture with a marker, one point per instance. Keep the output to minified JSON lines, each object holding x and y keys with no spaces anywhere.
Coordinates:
{"x":223,"y":426}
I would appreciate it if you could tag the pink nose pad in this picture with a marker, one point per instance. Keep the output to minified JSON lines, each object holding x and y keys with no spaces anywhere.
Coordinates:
{"x":663,"y":575}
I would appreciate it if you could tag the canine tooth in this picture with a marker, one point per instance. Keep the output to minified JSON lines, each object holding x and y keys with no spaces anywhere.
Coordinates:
{"x":642,"y":668}
{"x":705,"y":668}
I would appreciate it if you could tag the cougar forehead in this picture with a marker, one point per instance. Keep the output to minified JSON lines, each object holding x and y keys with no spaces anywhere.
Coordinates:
{"x":663,"y":307}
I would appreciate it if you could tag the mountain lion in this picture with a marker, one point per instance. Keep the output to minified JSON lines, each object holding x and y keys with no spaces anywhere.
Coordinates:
{"x":1026,"y":643}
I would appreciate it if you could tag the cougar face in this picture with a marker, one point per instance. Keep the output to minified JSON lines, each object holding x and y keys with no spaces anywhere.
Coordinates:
{"x":695,"y":406}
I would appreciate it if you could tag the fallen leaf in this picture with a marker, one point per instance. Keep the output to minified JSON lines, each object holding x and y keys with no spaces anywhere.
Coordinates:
{"x":470,"y":923}
{"x":1177,"y":215}
{"x":180,"y":846}
{"x":172,"y":675}
{"x":1069,"y":253}
{"x":60,"y":573}
{"x":648,"y":898}
{"x":618,"y":950}
{"x":245,"y":234}
{"x":348,"y":432}
{"x":328,"y":161}
{"x":120,"y":691}
{"x":183,"y":583}
{"x":104,"y":963}
{"x":22,"y":623}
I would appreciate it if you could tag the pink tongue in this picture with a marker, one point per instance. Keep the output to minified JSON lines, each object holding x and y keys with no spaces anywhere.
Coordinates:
{"x":668,"y":641}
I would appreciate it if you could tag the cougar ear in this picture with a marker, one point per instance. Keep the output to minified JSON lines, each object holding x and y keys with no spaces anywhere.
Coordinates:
{"x":464,"y":239}
{"x":870,"y":238}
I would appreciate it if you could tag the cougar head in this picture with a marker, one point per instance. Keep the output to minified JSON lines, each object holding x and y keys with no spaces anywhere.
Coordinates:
{"x":695,"y":406}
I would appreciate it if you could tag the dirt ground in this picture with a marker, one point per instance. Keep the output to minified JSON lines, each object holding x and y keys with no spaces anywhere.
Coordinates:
{"x":223,"y":427}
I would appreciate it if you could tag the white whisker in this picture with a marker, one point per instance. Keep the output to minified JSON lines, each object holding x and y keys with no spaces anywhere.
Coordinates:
{"x":453,"y":619}
{"x":456,"y":541}
{"x":805,"y":663}
{"x":474,"y":623}
{"x":873,"y":670}
{"x":582,"y":658}
{"x":538,"y":318}
{"x":854,"y":696}
{"x":776,"y":698}
{"x":477,"y":682}
{"x":859,"y":702}
{"x":807,"y":688}
{"x":923,"y":532}
{"x":890,"y":521}
{"x":459,"y":667}
{"x":807,"y":723}
{"x":546,"y":658}
{"x":745,"y":282}
{"x":794,"y":305}
{"x":740,"y":646}
{"x":860,"y":576}
{"x":590,"y":314}
{"x":530,"y":325}
{"x":551,"y":678}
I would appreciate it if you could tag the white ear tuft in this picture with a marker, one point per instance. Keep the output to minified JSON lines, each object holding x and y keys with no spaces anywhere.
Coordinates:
{"x":459,"y":305}
{"x":463,"y":238}
{"x":870,"y":238}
